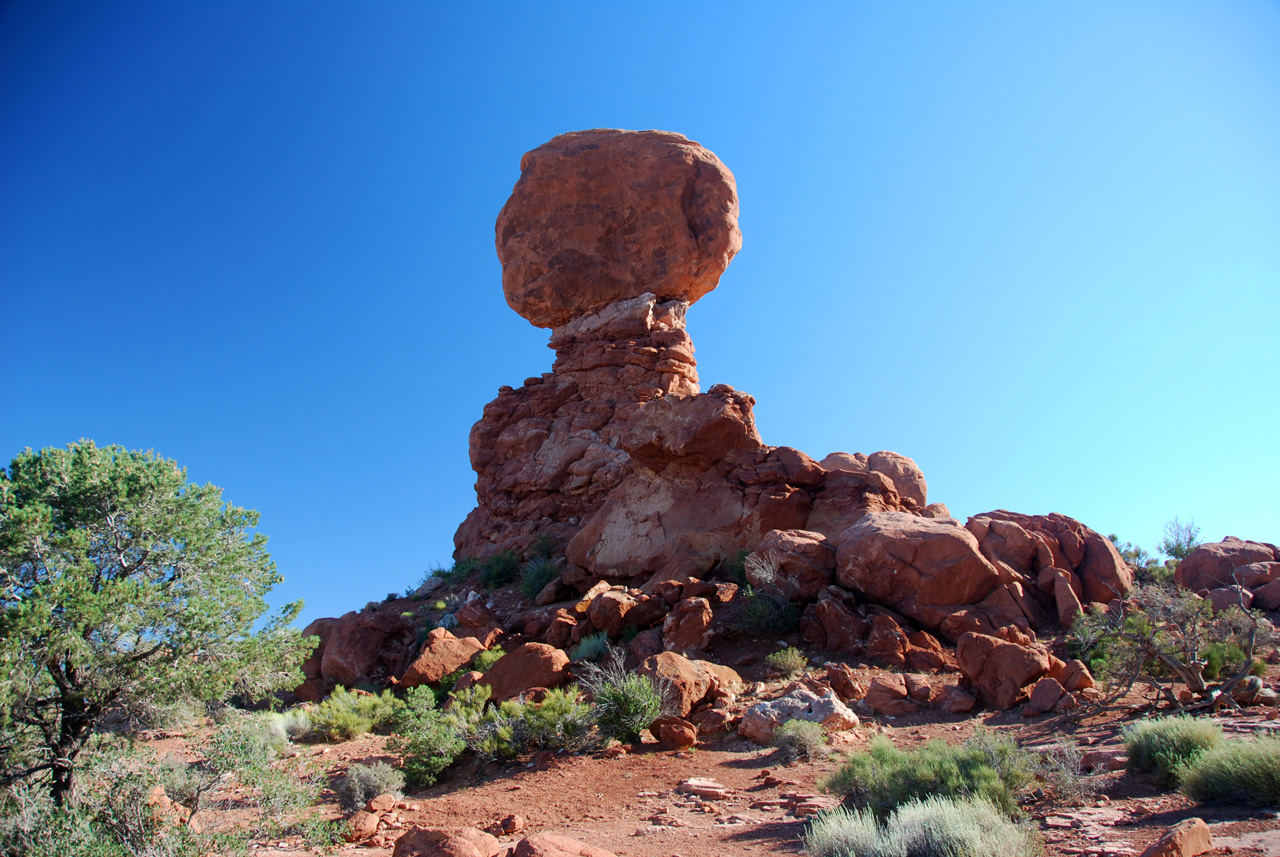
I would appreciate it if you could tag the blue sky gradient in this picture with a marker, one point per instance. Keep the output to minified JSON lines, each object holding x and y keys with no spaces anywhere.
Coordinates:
{"x":1035,"y":247}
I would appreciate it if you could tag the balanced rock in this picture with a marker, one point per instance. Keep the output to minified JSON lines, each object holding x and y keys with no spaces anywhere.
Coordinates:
{"x":600,"y":216}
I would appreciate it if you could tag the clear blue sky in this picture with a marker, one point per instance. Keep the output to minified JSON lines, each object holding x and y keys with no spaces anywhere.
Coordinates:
{"x":1034,"y":246}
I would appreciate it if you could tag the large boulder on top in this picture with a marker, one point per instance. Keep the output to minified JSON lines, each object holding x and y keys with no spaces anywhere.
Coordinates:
{"x":603,"y":215}
{"x":1214,"y":565}
{"x":921,"y":567}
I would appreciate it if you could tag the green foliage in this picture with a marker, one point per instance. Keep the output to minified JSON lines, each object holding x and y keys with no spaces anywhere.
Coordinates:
{"x":882,"y":778}
{"x":735,"y":567}
{"x":1162,"y":747}
{"x":1236,"y":772}
{"x":486,"y":659}
{"x":624,"y":702}
{"x":538,"y":572}
{"x":762,"y":613}
{"x":592,"y":647}
{"x":362,"y":783}
{"x":561,"y":721}
{"x":429,"y":740}
{"x":1167,"y":635}
{"x":346,"y":714}
{"x":121,"y":583}
{"x":930,"y":827}
{"x":1180,"y":539}
{"x":500,"y":569}
{"x":1222,"y":656}
{"x":544,"y":546}
{"x":800,"y":739}
{"x":788,"y":662}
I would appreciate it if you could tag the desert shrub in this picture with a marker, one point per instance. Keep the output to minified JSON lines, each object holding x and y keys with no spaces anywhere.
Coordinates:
{"x":1161,"y":747}
{"x":735,"y":567}
{"x":182,"y":781}
{"x":537,"y":573}
{"x":590,"y":648}
{"x":762,"y":613}
{"x":500,"y":569}
{"x":544,"y":546}
{"x":346,"y":714}
{"x":931,"y":827}
{"x":800,"y":739}
{"x":243,"y":743}
{"x":1059,"y":768}
{"x":296,"y":723}
{"x":624,"y":702}
{"x":561,"y":721}
{"x":842,"y":832}
{"x":1167,"y":635}
{"x":1236,"y":772}
{"x":882,"y":778}
{"x":486,"y":659}
{"x":788,"y":662}
{"x":362,"y":783}
{"x":429,"y":740}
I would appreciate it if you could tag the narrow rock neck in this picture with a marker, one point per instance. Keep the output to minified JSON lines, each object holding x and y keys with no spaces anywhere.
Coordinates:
{"x":637,"y":347}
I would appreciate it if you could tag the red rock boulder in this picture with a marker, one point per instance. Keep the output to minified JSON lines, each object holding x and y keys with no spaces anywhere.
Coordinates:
{"x":792,"y":564}
{"x":1000,"y":670}
{"x":368,"y":647}
{"x":602,"y":215}
{"x":441,"y":654}
{"x":527,"y":666}
{"x":921,"y":567}
{"x":1214,"y":565}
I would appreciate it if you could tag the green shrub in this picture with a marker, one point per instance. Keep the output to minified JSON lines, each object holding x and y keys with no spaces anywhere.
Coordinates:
{"x":763,"y":614}
{"x":931,"y":827}
{"x":429,"y":740}
{"x":538,"y":572}
{"x":788,"y":662}
{"x":362,"y":783}
{"x":544,"y":546}
{"x":561,"y":721}
{"x":500,"y":569}
{"x":1161,"y":747}
{"x":242,"y":743}
{"x":624,"y":702}
{"x":883,"y":777}
{"x":486,"y":659}
{"x":800,"y":739}
{"x":1220,"y":656}
{"x":1236,"y":772}
{"x":735,"y":567}
{"x":346,"y":714}
{"x":182,"y":781}
{"x":592,"y":647}
{"x":296,"y":723}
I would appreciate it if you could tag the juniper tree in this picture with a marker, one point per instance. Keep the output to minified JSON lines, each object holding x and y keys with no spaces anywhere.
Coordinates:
{"x":122,"y":583}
